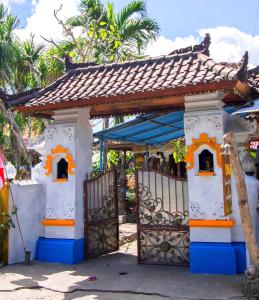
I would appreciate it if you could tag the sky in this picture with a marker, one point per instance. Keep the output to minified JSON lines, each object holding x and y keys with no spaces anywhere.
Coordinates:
{"x":233,"y":24}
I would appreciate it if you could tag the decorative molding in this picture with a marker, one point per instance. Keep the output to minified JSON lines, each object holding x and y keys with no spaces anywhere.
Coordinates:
{"x":196,"y":212}
{"x":216,"y":120}
{"x":203,"y":139}
{"x":250,"y":125}
{"x":191,"y":122}
{"x":217,"y":210}
{"x":50,"y":213}
{"x":211,"y":223}
{"x":47,"y":222}
{"x":205,"y":174}
{"x":69,"y":132}
{"x":49,"y":133}
{"x":69,"y":213}
{"x":69,"y":158}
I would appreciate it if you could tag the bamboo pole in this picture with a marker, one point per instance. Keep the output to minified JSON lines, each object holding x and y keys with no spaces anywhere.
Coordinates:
{"x":231,"y":149}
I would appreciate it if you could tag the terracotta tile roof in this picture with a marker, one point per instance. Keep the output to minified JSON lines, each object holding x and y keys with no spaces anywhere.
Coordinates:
{"x":181,"y":68}
{"x":253,"y":78}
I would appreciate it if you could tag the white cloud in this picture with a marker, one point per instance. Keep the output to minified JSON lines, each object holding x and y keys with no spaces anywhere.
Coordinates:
{"x":227,"y":44}
{"x":43,"y":23}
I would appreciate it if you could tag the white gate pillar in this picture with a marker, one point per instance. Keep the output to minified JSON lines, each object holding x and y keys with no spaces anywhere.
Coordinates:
{"x":211,"y":247}
{"x":68,"y":147}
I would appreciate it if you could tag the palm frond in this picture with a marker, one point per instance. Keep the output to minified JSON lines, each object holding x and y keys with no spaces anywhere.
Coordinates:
{"x":127,"y":12}
{"x":139,"y":32}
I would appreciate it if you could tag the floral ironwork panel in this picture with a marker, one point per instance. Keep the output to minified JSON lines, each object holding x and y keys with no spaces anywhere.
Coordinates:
{"x":102,"y":239}
{"x":167,"y":247}
{"x":107,"y":210}
{"x":152,"y":212}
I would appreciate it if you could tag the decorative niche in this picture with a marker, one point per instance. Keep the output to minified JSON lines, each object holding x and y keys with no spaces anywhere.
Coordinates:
{"x":206,"y":163}
{"x":206,"y":158}
{"x":60,"y":164}
{"x":62,"y":169}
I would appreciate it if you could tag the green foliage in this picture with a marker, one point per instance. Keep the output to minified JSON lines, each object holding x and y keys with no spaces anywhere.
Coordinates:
{"x":179,"y":151}
{"x":6,"y":222}
{"x":113,"y":36}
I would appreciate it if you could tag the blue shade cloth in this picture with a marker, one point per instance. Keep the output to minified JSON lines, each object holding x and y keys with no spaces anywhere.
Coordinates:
{"x":248,"y":109}
{"x":151,"y":129}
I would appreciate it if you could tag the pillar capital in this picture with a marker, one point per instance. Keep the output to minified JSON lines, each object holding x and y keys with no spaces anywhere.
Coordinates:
{"x":206,"y":101}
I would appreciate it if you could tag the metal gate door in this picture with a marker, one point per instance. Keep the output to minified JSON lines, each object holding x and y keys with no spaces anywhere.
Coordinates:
{"x":163,"y":233}
{"x":101,"y":215}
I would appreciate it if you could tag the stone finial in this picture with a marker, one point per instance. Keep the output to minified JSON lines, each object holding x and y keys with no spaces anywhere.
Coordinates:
{"x":68,"y":62}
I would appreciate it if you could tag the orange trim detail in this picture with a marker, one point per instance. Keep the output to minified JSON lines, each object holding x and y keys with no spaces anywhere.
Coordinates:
{"x":206,"y":174}
{"x":203,"y":139}
{"x":60,"y":180}
{"x":211,"y":223}
{"x":69,"y":158}
{"x":46,"y":222}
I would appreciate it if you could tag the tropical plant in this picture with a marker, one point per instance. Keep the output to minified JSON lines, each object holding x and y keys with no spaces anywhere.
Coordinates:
{"x":8,"y":24}
{"x":179,"y":151}
{"x":111,"y":36}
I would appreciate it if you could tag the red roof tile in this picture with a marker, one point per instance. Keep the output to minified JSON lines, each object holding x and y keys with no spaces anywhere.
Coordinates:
{"x":181,"y":68}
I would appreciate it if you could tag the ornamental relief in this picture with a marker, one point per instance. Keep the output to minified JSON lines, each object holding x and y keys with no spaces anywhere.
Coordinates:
{"x":68,"y":213}
{"x":67,"y":155}
{"x":195,"y":212}
{"x":218,"y":211}
{"x":51,"y":213}
{"x":216,"y":120}
{"x":250,"y":125}
{"x":49,"y":134}
{"x":191,"y":122}
{"x":69,"y":133}
{"x":203,"y":139}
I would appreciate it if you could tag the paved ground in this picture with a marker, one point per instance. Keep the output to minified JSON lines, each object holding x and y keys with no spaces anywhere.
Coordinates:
{"x":128,"y":233}
{"x":118,"y":276}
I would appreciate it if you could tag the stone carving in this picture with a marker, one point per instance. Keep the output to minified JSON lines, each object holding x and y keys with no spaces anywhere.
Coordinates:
{"x":49,"y":134}
{"x":250,"y":125}
{"x":216,"y":120}
{"x":195,"y":212}
{"x":191,"y":122}
{"x":50,"y":213}
{"x":218,"y":211}
{"x":69,"y":213}
{"x":69,"y":132}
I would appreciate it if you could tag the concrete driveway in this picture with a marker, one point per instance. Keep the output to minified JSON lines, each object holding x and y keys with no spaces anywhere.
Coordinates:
{"x":114,"y":276}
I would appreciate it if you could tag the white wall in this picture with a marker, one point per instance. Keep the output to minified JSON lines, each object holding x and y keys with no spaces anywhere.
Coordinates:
{"x":29,"y":198}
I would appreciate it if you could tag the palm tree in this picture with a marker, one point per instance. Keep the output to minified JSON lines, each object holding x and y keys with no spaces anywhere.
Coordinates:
{"x":8,"y":24}
{"x":110,"y":36}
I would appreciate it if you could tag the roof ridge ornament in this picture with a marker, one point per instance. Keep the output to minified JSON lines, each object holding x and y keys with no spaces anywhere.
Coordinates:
{"x":68,"y":63}
{"x":203,"y":47}
{"x":70,"y":66}
{"x":242,"y":73}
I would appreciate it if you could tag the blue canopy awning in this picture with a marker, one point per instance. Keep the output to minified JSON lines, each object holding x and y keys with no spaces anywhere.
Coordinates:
{"x":151,"y":129}
{"x":147,"y":129}
{"x":248,"y":109}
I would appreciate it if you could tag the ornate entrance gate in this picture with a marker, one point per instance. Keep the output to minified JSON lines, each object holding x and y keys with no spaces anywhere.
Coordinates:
{"x":101,"y":215}
{"x":163,"y":234}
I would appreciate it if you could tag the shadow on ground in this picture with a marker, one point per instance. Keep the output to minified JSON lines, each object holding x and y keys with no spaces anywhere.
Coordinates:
{"x":119,"y":273}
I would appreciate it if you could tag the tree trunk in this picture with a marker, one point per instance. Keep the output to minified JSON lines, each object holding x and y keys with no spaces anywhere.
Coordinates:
{"x":243,"y":200}
{"x":251,"y":288}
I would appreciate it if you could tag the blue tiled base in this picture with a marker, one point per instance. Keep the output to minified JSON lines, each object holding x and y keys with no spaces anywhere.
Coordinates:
{"x":217,"y":258}
{"x":64,"y":251}
{"x":240,"y":249}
